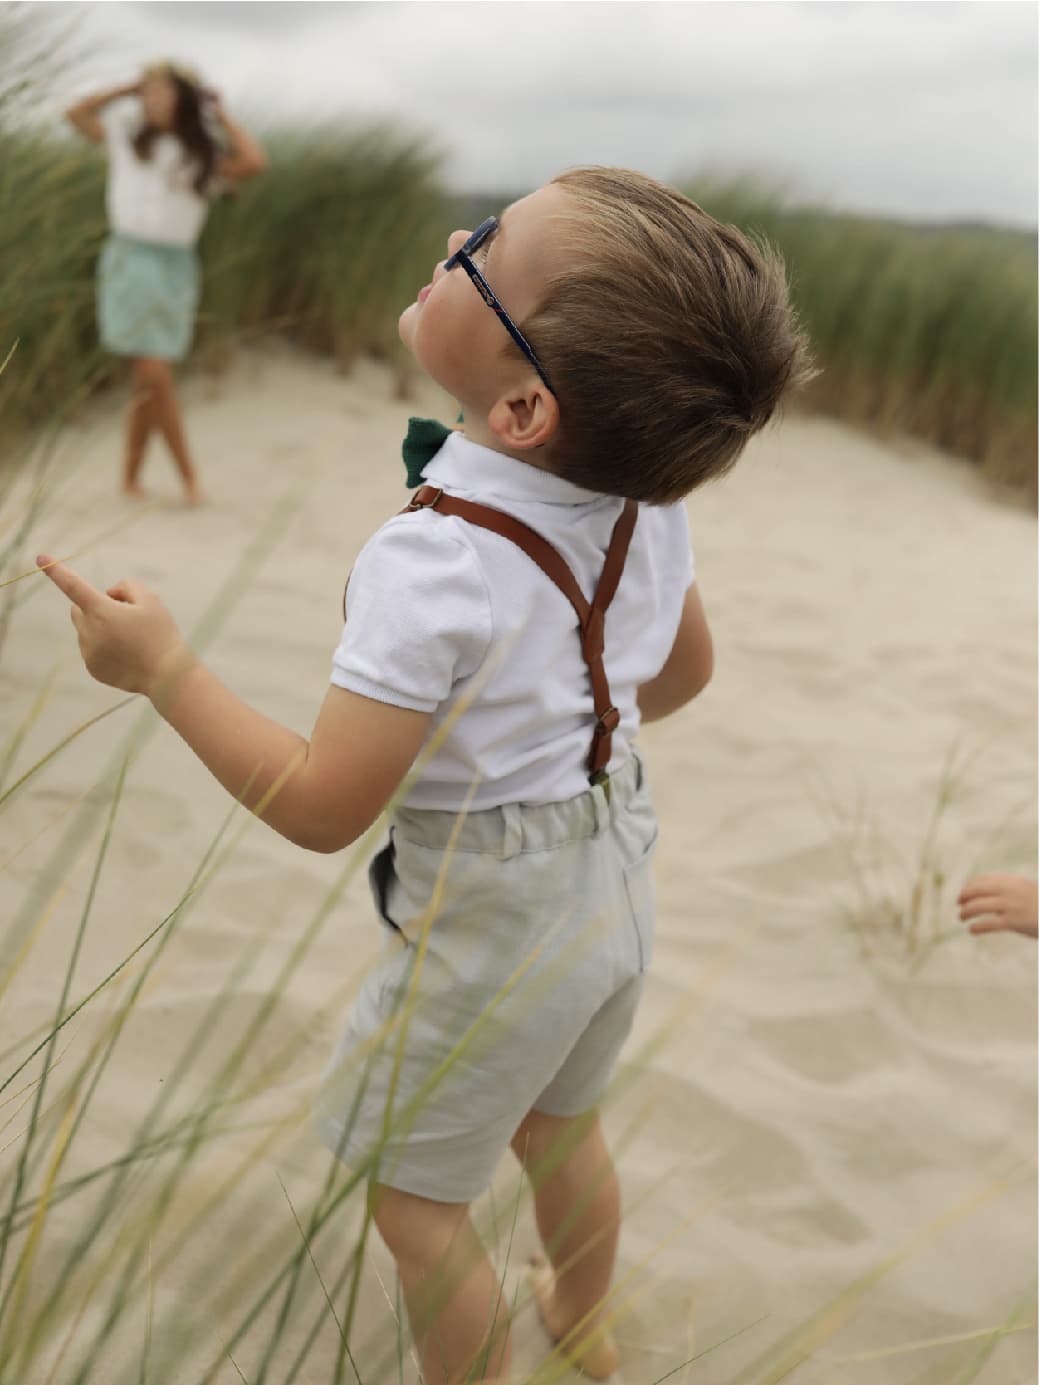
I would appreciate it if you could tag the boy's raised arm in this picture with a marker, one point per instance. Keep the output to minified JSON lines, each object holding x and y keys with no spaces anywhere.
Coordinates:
{"x":321,"y":794}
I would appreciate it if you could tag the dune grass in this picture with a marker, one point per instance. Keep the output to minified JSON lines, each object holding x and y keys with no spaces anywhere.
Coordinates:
{"x":329,"y":245}
{"x":925,"y":331}
{"x":897,"y":897}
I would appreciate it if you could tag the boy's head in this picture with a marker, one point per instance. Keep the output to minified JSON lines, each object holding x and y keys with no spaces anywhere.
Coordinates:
{"x":667,"y":337}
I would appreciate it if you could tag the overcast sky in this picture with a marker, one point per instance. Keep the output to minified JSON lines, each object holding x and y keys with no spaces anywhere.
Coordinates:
{"x":926,"y":110}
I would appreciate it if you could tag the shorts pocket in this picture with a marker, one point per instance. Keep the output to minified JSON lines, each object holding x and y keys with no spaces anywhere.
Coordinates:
{"x":381,"y":875}
{"x":642,"y":901}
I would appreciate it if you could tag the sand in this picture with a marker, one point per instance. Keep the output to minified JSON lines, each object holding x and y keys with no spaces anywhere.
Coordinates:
{"x":826,"y":1097}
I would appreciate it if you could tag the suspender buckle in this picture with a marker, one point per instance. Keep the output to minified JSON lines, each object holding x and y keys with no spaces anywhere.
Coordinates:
{"x":428,"y":498}
{"x":601,"y":780}
{"x":607,"y":722}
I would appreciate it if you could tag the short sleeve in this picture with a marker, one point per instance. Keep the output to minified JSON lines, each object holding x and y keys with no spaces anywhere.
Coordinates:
{"x":418,"y":615}
{"x":679,"y":565}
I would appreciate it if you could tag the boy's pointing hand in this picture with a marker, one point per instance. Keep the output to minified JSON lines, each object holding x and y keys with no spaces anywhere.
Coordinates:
{"x":126,"y":635}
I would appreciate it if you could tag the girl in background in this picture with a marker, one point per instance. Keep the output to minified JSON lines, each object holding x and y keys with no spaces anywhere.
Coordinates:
{"x":171,"y":149}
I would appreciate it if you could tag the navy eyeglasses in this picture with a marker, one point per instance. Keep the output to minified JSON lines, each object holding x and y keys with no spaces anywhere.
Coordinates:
{"x":464,"y":256}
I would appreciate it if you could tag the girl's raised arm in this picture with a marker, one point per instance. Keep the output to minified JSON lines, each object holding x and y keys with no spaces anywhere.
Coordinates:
{"x":246,"y":157}
{"x":86,"y":114}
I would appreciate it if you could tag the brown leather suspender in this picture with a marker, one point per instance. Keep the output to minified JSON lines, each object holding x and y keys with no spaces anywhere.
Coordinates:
{"x":590,"y":615}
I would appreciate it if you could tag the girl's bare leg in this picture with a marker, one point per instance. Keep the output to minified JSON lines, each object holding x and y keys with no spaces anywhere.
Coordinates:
{"x":578,"y":1211}
{"x":139,"y":425}
{"x":166,"y":417}
{"x":458,"y":1315}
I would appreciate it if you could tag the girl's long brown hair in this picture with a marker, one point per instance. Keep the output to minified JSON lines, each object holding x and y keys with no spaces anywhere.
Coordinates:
{"x":189,"y":128}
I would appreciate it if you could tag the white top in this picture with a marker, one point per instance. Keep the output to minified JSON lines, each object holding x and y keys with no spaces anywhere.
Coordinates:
{"x":442,"y":612}
{"x":150,"y":199}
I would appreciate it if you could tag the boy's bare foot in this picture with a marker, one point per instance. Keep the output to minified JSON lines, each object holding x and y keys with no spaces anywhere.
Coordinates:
{"x":135,"y":490}
{"x":194,"y":495}
{"x":592,"y":1351}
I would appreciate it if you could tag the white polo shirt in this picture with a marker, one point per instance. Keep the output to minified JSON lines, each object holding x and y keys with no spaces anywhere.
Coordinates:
{"x":441,"y":612}
{"x":150,"y":199}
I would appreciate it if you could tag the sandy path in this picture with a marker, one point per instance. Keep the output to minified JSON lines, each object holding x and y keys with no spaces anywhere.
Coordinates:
{"x":824,"y":1097}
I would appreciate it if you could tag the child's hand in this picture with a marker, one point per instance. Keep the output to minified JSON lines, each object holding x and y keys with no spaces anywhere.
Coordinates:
{"x":1002,"y":903}
{"x":126,"y":636}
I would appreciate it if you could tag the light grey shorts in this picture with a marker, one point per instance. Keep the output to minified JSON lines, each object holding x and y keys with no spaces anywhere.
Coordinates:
{"x":509,"y":980}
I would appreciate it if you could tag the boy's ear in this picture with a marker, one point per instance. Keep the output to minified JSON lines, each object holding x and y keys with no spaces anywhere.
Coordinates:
{"x":523,"y":420}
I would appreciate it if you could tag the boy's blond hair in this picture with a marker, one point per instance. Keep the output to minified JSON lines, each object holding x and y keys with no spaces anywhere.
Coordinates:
{"x":669,"y":339}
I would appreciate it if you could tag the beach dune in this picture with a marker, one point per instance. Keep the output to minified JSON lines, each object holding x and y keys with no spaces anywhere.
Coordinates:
{"x":828,"y":1077}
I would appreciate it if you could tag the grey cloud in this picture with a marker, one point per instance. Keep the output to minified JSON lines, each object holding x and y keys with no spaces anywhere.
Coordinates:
{"x":247,"y":17}
{"x":917,"y":109}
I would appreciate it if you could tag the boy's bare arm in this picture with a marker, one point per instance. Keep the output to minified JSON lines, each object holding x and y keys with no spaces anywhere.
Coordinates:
{"x":321,"y":794}
{"x":689,"y":665}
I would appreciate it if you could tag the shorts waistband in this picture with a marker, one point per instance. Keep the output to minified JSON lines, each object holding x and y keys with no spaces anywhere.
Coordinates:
{"x":515,"y":828}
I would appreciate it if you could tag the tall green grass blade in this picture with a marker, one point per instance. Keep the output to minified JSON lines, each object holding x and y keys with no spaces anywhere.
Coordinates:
{"x":707,"y":1351}
{"x":34,"y":769}
{"x":147,"y":1346}
{"x":799,"y":1344}
{"x":80,"y":1247}
{"x":192,"y":1143}
{"x":66,"y":986}
{"x":1020,"y":1315}
{"x":18,"y":735}
{"x":143,"y":1134}
{"x":71,"y":841}
{"x":324,"y":1287}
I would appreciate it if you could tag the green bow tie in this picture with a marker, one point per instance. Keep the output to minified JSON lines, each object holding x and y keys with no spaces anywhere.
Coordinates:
{"x":424,"y":440}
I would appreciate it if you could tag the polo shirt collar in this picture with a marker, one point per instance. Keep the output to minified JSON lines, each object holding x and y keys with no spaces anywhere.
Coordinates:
{"x":464,"y":465}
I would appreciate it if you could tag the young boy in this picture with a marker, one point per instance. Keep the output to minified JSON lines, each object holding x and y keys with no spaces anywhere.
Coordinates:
{"x":516,"y":885}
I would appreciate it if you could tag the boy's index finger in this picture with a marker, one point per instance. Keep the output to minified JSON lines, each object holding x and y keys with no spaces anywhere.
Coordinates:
{"x":76,"y":588}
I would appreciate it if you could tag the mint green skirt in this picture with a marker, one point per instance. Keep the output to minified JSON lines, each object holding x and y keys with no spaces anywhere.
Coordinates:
{"x":146,"y":298}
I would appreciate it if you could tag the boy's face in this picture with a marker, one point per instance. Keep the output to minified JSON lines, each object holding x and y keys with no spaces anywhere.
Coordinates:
{"x":449,"y":329}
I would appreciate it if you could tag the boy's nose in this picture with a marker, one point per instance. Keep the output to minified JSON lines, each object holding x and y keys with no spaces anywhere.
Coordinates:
{"x":456,"y":240}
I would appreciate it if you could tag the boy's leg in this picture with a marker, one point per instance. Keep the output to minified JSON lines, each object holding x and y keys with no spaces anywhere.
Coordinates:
{"x":458,"y":1315}
{"x":578,"y":1211}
